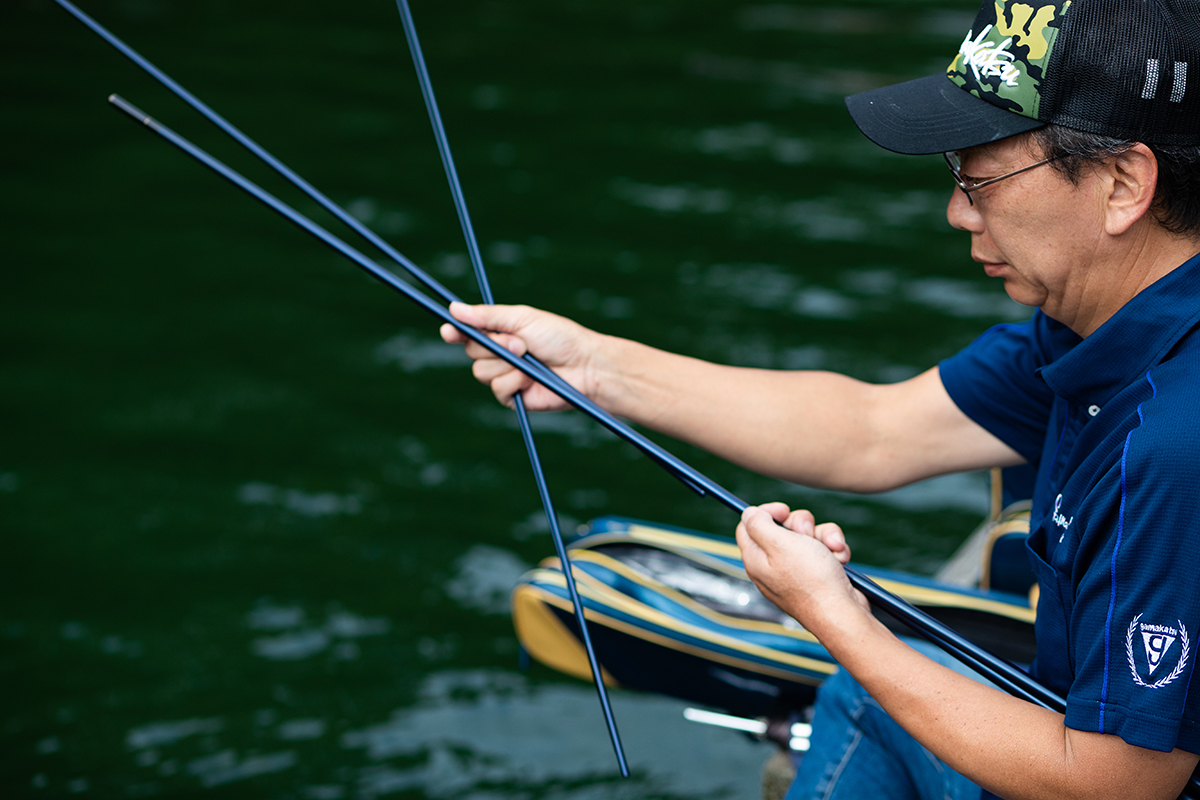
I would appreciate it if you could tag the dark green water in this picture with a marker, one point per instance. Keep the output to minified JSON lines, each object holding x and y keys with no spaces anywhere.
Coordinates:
{"x":257,"y":525}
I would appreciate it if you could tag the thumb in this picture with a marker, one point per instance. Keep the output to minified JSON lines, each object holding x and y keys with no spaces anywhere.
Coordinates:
{"x":757,"y":521}
{"x":499,"y":319}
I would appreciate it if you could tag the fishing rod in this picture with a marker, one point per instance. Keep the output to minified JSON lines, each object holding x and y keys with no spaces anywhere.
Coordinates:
{"x":994,"y":668}
{"x":464,"y":218}
{"x":429,"y":281}
{"x":998,"y":670}
{"x":548,"y":377}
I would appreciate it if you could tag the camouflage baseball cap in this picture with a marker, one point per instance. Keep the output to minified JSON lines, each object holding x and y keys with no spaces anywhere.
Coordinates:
{"x":1112,"y":67}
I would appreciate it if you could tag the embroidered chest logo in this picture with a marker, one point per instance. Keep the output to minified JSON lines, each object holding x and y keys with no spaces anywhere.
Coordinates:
{"x":1060,"y":519}
{"x":1158,"y":643}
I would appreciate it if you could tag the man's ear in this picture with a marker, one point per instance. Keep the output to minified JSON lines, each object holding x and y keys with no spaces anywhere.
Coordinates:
{"x":1132,"y":180}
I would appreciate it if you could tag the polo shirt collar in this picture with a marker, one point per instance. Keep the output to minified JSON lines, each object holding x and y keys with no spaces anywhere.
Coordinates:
{"x":1132,"y":341}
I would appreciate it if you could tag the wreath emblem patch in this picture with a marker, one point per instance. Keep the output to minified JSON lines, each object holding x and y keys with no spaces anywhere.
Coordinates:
{"x":1158,"y":644}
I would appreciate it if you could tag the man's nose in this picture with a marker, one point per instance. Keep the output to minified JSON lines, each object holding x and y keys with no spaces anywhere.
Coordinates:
{"x":961,"y":214}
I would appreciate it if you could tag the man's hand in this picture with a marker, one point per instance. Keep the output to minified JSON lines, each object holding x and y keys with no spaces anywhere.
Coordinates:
{"x":797,"y":564}
{"x":565,"y":346}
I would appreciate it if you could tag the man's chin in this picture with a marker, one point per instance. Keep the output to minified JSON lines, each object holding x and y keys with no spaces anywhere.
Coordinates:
{"x":1021,"y":294}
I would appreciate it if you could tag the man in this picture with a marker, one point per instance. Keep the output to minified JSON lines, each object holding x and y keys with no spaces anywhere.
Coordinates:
{"x":1071,"y":130}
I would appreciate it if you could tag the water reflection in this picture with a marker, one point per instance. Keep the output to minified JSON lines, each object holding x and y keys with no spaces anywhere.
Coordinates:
{"x":458,"y":741}
{"x":673,"y":199}
{"x":789,"y":80}
{"x":536,"y":523}
{"x":414,"y":352}
{"x":302,"y":730}
{"x":391,"y":222}
{"x":581,"y":431}
{"x":485,"y":578}
{"x":226,"y":766}
{"x":160,"y":734}
{"x":607,"y":307}
{"x":874,"y":282}
{"x":756,"y":285}
{"x":752,"y":139}
{"x":959,"y":298}
{"x":248,"y":422}
{"x":852,"y":21}
{"x":296,"y":640}
{"x":507,"y":253}
{"x":866,"y":216}
{"x":306,"y":504}
{"x":767,"y":286}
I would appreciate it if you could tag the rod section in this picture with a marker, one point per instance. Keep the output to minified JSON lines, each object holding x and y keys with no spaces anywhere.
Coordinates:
{"x":464,"y":218}
{"x":923,"y":623}
{"x":954,"y":643}
{"x":996,"y":669}
{"x":548,"y":377}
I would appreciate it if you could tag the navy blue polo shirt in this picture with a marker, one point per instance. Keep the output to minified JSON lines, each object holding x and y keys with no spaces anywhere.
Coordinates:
{"x":1112,"y":425}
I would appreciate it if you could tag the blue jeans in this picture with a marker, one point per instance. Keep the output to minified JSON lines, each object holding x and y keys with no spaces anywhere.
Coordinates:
{"x":859,"y":753}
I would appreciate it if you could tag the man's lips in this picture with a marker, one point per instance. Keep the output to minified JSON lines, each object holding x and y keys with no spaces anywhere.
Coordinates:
{"x":991,"y":268}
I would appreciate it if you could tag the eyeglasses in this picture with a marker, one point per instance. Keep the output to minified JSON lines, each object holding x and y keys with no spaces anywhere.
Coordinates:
{"x":969,"y":184}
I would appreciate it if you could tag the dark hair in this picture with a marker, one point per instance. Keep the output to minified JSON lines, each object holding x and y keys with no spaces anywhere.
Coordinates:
{"x":1177,"y":197}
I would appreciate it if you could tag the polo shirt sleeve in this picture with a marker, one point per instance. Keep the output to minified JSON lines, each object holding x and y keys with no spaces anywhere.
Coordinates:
{"x":995,"y":382}
{"x":1136,"y":570}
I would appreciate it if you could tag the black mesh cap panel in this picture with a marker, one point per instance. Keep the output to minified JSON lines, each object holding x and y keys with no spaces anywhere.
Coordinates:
{"x":1128,"y":69}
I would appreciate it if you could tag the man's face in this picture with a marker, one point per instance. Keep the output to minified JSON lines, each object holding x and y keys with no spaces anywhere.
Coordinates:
{"x":1036,"y":230}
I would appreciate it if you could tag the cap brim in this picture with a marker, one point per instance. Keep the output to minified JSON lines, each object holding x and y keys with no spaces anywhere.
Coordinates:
{"x":932,"y":115}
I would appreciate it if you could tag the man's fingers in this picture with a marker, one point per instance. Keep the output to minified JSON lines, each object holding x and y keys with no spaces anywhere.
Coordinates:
{"x":778,"y":511}
{"x":489,"y":369}
{"x":831,"y":535}
{"x":506,"y":386}
{"x":511,"y":343}
{"x":801,"y":521}
{"x":754,"y":557}
{"x":760,"y":526}
{"x":499,"y":319}
{"x":753,"y":516}
{"x":451,"y":334}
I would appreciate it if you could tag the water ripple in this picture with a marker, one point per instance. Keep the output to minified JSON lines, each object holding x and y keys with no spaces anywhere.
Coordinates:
{"x":858,"y":218}
{"x":297,"y":641}
{"x":297,"y":730}
{"x":224,"y":767}
{"x":318,"y":504}
{"x":967,"y":299}
{"x":794,"y":80}
{"x":580,"y":430}
{"x":474,"y":728}
{"x":158,"y":734}
{"x":485,"y":578}
{"x":416,"y":353}
{"x":752,"y":139}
